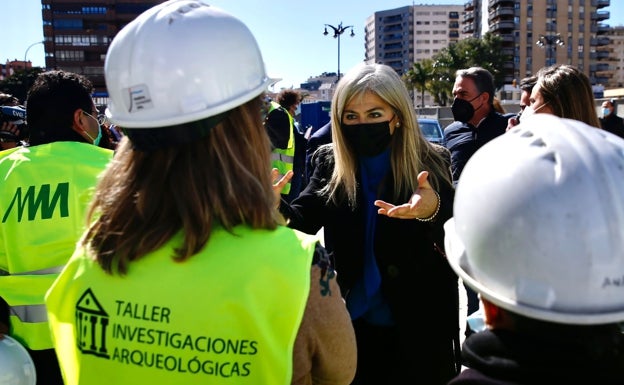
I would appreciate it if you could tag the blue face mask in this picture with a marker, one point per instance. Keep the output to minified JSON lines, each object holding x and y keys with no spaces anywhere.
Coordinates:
{"x":606,"y":112}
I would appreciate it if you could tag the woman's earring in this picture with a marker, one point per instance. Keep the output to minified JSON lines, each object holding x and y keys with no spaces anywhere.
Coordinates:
{"x":398,"y":124}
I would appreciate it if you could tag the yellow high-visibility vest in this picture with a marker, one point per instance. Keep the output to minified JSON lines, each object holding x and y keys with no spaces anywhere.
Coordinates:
{"x":283,"y":158}
{"x":44,"y":195}
{"x":228,"y":315}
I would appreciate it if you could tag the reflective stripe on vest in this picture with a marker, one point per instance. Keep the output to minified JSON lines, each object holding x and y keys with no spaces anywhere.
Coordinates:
{"x":28,"y":320}
{"x":30,"y":313}
{"x":232,"y":310}
{"x":44,"y":195}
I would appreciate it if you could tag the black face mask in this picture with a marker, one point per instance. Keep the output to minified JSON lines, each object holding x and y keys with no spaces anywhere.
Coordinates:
{"x":368,"y":139}
{"x":463,"y":110}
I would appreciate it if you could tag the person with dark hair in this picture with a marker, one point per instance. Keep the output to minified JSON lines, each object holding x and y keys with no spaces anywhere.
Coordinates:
{"x":526,"y":87}
{"x":288,"y":142}
{"x":381,"y":193}
{"x":549,"y":274}
{"x":187,"y":273}
{"x":476,"y":123}
{"x":60,"y":108}
{"x":610,"y":121}
{"x":43,"y":200}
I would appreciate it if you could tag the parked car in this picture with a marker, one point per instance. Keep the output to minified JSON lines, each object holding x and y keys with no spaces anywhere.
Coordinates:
{"x":432,"y":130}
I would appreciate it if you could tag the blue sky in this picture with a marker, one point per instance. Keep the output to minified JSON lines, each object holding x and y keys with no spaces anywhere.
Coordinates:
{"x":289,"y":32}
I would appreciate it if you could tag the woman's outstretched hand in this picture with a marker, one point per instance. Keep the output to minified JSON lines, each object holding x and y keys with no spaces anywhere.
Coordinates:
{"x":422,"y":204}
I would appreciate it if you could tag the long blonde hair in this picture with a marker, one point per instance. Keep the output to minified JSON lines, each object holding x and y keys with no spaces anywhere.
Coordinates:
{"x":146,"y":197}
{"x":410,"y":150}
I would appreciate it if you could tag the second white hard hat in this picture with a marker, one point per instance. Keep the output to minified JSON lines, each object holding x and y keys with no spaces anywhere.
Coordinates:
{"x":16,"y":366}
{"x":181,"y":61}
{"x":538,"y":222}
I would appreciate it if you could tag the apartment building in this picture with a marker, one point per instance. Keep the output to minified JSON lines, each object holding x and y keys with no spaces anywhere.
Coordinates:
{"x":616,"y":59}
{"x":545,"y":32}
{"x":399,"y":37}
{"x":77,"y":34}
{"x":402,"y":36}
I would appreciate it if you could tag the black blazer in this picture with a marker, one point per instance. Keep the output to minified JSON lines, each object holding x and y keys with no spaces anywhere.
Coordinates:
{"x":416,"y":280}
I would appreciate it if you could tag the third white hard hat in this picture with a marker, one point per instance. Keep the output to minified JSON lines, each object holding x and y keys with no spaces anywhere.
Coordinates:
{"x":538,"y":222}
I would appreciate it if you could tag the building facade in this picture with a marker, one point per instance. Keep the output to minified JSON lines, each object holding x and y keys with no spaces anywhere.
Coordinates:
{"x":545,"y":32}
{"x":403,"y":36}
{"x":77,"y":34}
{"x":616,"y":63}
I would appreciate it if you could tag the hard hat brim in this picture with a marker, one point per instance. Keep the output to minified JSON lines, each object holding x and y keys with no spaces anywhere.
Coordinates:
{"x":460,"y":263}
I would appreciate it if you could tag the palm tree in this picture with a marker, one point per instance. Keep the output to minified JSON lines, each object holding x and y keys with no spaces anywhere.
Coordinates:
{"x":418,"y":77}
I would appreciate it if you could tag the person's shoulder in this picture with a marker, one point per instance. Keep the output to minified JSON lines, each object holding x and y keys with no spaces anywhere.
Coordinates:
{"x":322,"y":135}
{"x":442,"y":151}
{"x":325,"y":152}
{"x":278,"y":111}
{"x":455,"y":126}
{"x":497,"y":117}
{"x":495,"y":122}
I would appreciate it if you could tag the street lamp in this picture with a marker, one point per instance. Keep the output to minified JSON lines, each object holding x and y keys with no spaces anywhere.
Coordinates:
{"x":337,"y":32}
{"x":550,"y":42}
{"x":28,"y":49}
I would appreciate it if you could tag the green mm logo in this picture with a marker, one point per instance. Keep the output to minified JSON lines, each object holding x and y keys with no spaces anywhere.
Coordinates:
{"x":31,"y":202}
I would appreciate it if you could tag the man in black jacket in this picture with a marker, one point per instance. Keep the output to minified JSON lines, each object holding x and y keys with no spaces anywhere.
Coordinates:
{"x":476,"y":123}
{"x":610,"y":121}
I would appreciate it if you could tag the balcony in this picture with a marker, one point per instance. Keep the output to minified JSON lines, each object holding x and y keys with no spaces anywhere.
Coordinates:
{"x":507,"y":51}
{"x":502,"y":25}
{"x":469,"y":28}
{"x":599,"y":67}
{"x":469,"y":6}
{"x":501,"y":12}
{"x":494,"y":3}
{"x":600,"y":3}
{"x":603,"y":15}
{"x":603,"y":40}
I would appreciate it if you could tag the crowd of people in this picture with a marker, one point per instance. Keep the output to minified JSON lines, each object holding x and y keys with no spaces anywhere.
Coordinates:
{"x":187,"y":248}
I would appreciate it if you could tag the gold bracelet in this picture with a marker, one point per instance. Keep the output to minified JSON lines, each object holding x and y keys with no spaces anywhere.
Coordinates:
{"x":432,"y":217}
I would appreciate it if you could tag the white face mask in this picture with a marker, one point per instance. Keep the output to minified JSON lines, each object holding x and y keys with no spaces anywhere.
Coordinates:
{"x":529,"y":111}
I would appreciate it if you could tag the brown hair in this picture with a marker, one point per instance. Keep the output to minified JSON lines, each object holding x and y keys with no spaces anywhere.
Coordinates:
{"x":288,"y":98}
{"x":568,"y":92}
{"x":145,"y":198}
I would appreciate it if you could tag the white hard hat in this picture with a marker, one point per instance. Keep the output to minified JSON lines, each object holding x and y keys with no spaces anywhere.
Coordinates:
{"x":538,"y":226}
{"x":16,"y":366}
{"x":181,"y":61}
